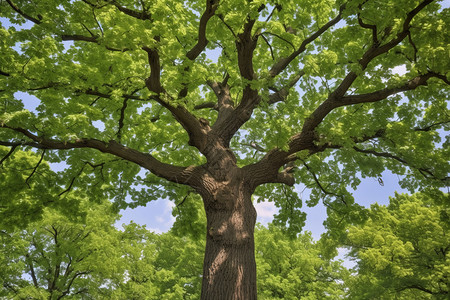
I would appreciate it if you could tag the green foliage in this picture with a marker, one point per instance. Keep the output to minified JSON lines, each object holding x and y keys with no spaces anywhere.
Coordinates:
{"x":94,"y":87}
{"x":58,"y":256}
{"x":402,"y":249}
{"x":23,"y":196}
{"x":122,"y":73}
{"x":294,"y":268}
{"x":134,"y":263}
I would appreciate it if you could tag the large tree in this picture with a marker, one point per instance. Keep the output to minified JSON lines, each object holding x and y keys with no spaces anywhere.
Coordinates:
{"x":228,"y":99}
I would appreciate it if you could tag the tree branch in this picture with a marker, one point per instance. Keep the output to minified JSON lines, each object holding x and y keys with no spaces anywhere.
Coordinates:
{"x":211,"y":6}
{"x":377,"y":50}
{"x":32,"y":272}
{"x":11,"y":151}
{"x":141,"y":15}
{"x":373,"y":28}
{"x":172,"y":173}
{"x":422,"y":171}
{"x":153,"y":82}
{"x":121,"y":119}
{"x":341,"y":197}
{"x":35,"y":168}
{"x":23,"y":14}
{"x":89,"y":39}
{"x":278,"y":67}
{"x":384,"y":93}
{"x":331,"y":103}
{"x":72,"y":182}
{"x":281,"y":94}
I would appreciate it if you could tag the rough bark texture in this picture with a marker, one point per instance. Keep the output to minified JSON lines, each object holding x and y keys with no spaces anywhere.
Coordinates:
{"x":229,"y":269}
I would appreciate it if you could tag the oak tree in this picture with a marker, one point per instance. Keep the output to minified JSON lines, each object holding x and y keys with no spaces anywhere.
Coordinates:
{"x":228,"y":99}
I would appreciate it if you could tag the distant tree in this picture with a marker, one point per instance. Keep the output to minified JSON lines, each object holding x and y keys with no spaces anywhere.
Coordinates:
{"x":228,"y":99}
{"x":295,"y":268}
{"x":402,"y":250}
{"x":57,"y":258}
{"x":158,"y":266}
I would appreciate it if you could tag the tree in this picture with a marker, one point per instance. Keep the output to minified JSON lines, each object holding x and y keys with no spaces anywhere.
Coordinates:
{"x":402,"y":250}
{"x":229,"y":99}
{"x":295,"y":268}
{"x":58,"y":257}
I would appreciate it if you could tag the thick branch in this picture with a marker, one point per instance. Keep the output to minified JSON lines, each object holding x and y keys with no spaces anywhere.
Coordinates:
{"x":377,"y":50}
{"x":196,"y":130}
{"x":384,"y":93}
{"x":172,"y":173}
{"x":211,"y":6}
{"x":331,"y":103}
{"x":153,"y":82}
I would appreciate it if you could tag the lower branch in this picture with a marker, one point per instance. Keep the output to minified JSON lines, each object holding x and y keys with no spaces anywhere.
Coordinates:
{"x":182,"y":175}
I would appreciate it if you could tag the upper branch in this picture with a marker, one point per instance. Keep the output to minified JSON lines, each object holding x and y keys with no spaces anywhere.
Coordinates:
{"x":172,"y":173}
{"x":211,"y":6}
{"x":384,"y":93}
{"x":331,"y":103}
{"x":377,"y":50}
{"x":278,"y":67}
{"x":196,"y":129}
{"x":373,"y":28}
{"x":23,"y":14}
{"x":280,"y":95}
{"x":230,"y":120}
{"x":89,"y":39}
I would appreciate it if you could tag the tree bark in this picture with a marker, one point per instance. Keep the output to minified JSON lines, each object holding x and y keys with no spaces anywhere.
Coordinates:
{"x":229,"y":269}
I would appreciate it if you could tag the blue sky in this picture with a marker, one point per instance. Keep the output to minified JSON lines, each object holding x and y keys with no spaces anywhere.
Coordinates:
{"x":157,"y":215}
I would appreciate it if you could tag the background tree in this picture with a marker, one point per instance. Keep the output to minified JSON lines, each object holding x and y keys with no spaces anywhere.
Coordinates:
{"x":57,"y":257}
{"x":295,"y":268}
{"x":402,"y":250}
{"x":222,"y":98}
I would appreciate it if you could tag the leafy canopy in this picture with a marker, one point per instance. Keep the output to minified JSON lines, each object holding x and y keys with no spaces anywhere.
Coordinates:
{"x":151,"y":82}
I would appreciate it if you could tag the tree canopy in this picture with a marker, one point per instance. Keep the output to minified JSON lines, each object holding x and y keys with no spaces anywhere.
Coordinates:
{"x":228,"y":99}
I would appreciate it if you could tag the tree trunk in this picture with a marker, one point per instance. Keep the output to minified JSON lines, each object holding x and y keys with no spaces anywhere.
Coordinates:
{"x":229,"y":268}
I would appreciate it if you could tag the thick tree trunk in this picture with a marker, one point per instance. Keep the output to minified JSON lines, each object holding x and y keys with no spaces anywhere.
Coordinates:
{"x":229,"y":269}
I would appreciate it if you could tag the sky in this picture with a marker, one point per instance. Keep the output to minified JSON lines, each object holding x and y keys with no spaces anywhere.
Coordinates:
{"x":157,"y":215}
